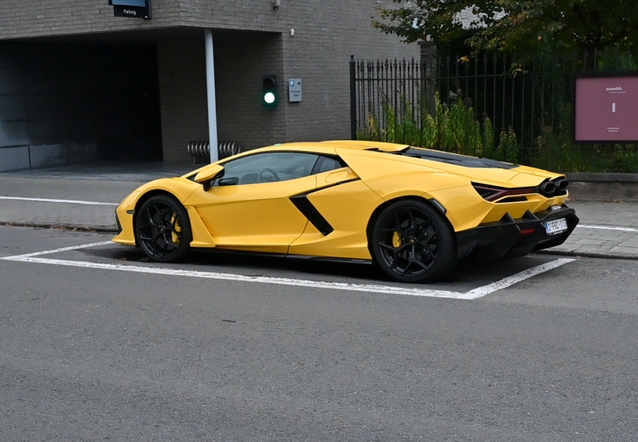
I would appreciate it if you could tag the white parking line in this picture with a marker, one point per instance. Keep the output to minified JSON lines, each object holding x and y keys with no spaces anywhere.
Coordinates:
{"x":368,"y":288}
{"x":49,"y":200}
{"x":63,"y":249}
{"x":515,"y":279}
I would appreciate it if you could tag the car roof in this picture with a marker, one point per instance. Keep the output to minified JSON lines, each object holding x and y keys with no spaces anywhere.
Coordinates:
{"x":326,"y":146}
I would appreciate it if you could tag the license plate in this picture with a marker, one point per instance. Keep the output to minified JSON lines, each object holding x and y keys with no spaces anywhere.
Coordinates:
{"x":555,"y":226}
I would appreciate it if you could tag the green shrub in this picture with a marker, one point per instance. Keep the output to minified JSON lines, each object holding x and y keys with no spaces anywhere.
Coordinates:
{"x":454,"y":128}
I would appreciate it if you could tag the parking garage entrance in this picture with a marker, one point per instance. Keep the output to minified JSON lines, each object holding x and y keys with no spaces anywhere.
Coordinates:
{"x":63,"y":104}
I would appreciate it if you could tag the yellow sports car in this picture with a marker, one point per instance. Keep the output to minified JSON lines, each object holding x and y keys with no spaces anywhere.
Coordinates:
{"x":413,"y":212}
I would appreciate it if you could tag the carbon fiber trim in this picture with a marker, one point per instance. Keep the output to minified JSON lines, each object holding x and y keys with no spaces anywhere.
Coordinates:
{"x":309,"y":211}
{"x":303,"y":204}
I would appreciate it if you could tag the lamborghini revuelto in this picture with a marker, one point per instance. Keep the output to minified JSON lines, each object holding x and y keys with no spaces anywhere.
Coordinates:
{"x":413,"y":212}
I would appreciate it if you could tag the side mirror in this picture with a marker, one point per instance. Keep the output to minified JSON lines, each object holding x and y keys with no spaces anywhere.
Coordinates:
{"x":208,"y":173}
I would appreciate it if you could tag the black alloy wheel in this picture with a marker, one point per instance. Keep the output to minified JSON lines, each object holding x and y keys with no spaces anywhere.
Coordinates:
{"x":412,"y":242}
{"x":162,"y":229}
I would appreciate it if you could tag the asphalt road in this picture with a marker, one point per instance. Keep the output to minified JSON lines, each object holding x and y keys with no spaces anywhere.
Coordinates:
{"x":97,"y":344}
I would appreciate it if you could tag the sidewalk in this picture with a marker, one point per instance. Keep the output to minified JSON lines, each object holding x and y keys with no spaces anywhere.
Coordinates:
{"x":85,"y":197}
{"x":606,"y":229}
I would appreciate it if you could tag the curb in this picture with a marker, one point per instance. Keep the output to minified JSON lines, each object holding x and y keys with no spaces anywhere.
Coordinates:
{"x":586,"y":254}
{"x":101,"y":229}
{"x":603,"y":186}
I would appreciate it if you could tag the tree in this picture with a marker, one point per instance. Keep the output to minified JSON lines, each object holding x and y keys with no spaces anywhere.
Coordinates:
{"x":518,"y":27}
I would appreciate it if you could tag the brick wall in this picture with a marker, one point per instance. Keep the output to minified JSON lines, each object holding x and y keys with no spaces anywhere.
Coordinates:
{"x":240,"y":65}
{"x":184,"y":108}
{"x":325,"y":35}
{"x":251,"y":39}
{"x":45,"y":18}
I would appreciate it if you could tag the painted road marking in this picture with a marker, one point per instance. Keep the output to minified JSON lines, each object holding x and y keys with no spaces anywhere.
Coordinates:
{"x":63,"y":249}
{"x":368,"y":288}
{"x":49,"y":200}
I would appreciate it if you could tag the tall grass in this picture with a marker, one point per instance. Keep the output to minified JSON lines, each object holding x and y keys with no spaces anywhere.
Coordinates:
{"x":454,"y":128}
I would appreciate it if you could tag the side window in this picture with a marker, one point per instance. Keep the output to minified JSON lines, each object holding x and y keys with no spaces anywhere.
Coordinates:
{"x":267,"y":167}
{"x":325,"y":164}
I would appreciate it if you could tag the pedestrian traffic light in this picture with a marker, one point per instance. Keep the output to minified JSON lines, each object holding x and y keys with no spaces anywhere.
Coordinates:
{"x":269,"y":92}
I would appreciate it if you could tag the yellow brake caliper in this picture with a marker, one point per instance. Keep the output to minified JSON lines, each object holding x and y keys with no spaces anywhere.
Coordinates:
{"x":176,"y":230}
{"x":396,"y":240}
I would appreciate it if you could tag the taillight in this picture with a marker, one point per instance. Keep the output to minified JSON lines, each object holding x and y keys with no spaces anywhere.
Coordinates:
{"x":493,"y":193}
{"x":548,"y":189}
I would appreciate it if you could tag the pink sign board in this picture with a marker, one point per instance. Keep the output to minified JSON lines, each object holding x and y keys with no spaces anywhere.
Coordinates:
{"x":606,"y":109}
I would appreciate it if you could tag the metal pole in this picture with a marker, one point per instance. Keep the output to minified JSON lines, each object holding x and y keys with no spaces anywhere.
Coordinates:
{"x":210,"y":89}
{"x":353,"y":99}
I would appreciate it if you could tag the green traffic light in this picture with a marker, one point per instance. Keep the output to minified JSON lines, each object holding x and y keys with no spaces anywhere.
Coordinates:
{"x":269,"y":95}
{"x":269,"y":98}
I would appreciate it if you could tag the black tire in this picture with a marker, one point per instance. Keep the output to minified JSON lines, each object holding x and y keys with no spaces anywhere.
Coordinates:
{"x":162,"y":229}
{"x":412,"y":242}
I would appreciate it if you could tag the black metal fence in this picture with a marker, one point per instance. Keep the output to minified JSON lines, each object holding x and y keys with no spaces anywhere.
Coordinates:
{"x":487,"y":106}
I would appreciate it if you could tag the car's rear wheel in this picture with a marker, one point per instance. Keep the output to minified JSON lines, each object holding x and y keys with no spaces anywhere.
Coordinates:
{"x":162,"y":229}
{"x":412,"y":242}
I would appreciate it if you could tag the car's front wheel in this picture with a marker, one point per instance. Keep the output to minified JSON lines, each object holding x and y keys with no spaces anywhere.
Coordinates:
{"x":412,"y":242}
{"x":162,"y":229}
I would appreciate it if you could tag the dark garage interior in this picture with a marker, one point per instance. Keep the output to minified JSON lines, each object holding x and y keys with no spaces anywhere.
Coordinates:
{"x":67,"y":104}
